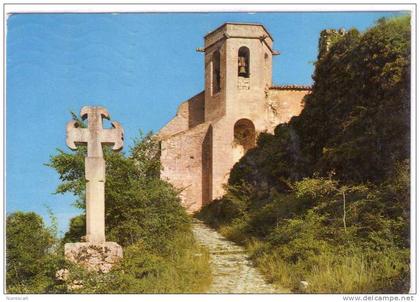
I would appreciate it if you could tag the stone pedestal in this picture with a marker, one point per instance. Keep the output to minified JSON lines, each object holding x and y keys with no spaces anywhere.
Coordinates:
{"x":98,"y":257}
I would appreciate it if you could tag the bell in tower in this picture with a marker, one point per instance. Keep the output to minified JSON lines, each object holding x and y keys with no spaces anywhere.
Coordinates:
{"x":243,"y":62}
{"x":242,"y":66}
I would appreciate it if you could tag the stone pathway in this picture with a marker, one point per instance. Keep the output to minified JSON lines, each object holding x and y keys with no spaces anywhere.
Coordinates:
{"x":232,"y":270}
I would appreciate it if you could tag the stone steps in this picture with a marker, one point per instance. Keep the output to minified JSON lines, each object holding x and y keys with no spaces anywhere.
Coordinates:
{"x":232,"y":270}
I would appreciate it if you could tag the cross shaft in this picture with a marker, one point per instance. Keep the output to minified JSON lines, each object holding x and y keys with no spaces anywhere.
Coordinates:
{"x":95,"y":136}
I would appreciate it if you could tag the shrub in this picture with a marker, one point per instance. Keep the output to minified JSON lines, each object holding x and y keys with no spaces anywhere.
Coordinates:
{"x":31,"y":255}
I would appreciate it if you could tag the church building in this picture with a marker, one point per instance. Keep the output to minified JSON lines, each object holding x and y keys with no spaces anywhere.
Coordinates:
{"x":212,"y":130}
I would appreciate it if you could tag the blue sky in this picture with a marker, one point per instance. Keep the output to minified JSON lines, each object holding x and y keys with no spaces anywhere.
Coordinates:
{"x":139,"y":66}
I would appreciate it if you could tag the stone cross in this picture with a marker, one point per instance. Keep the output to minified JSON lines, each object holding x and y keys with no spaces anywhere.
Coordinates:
{"x":95,"y":136}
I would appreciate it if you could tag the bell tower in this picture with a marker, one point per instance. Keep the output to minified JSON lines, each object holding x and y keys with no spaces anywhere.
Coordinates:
{"x":214,"y":129}
{"x":238,"y":66}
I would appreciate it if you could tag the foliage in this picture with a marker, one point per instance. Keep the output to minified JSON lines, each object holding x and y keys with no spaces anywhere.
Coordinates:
{"x":360,"y":129}
{"x":326,"y":197}
{"x":77,"y":229}
{"x":275,"y":162}
{"x":30,"y":253}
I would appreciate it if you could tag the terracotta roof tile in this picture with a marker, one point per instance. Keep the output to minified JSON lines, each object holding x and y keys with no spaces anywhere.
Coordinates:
{"x":291,"y":87}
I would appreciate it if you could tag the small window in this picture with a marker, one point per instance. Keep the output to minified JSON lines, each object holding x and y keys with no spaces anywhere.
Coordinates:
{"x":243,"y":62}
{"x":216,"y":72}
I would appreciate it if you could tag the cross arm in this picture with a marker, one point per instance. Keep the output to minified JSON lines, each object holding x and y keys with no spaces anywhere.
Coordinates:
{"x":113,"y":136}
{"x":75,"y":135}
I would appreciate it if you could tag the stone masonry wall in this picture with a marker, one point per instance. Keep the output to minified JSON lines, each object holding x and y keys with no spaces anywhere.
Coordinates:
{"x":189,"y":114}
{"x":181,"y":158}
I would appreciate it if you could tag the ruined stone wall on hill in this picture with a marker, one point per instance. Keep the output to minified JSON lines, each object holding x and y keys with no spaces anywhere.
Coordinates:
{"x":284,"y":102}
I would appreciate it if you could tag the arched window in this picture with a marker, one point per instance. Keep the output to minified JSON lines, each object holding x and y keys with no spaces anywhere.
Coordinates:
{"x":216,"y":71}
{"x":243,"y":62}
{"x":244,"y":134}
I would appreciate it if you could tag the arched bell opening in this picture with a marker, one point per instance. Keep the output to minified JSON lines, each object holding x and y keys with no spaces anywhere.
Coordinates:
{"x":216,"y":72}
{"x":243,"y":62}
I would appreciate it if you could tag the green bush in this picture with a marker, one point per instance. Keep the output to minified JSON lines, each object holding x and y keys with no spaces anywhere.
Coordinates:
{"x":77,"y":229}
{"x":31,"y":254}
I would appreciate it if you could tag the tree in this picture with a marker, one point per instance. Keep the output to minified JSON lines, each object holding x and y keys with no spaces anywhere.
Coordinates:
{"x":356,"y":121}
{"x":77,"y":229}
{"x":28,"y":246}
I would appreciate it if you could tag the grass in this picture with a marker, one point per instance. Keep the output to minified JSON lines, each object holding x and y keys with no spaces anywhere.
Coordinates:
{"x":184,"y":270}
{"x":355,"y":272}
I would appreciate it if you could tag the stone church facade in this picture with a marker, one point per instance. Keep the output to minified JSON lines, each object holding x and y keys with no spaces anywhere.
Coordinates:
{"x":212,"y":130}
